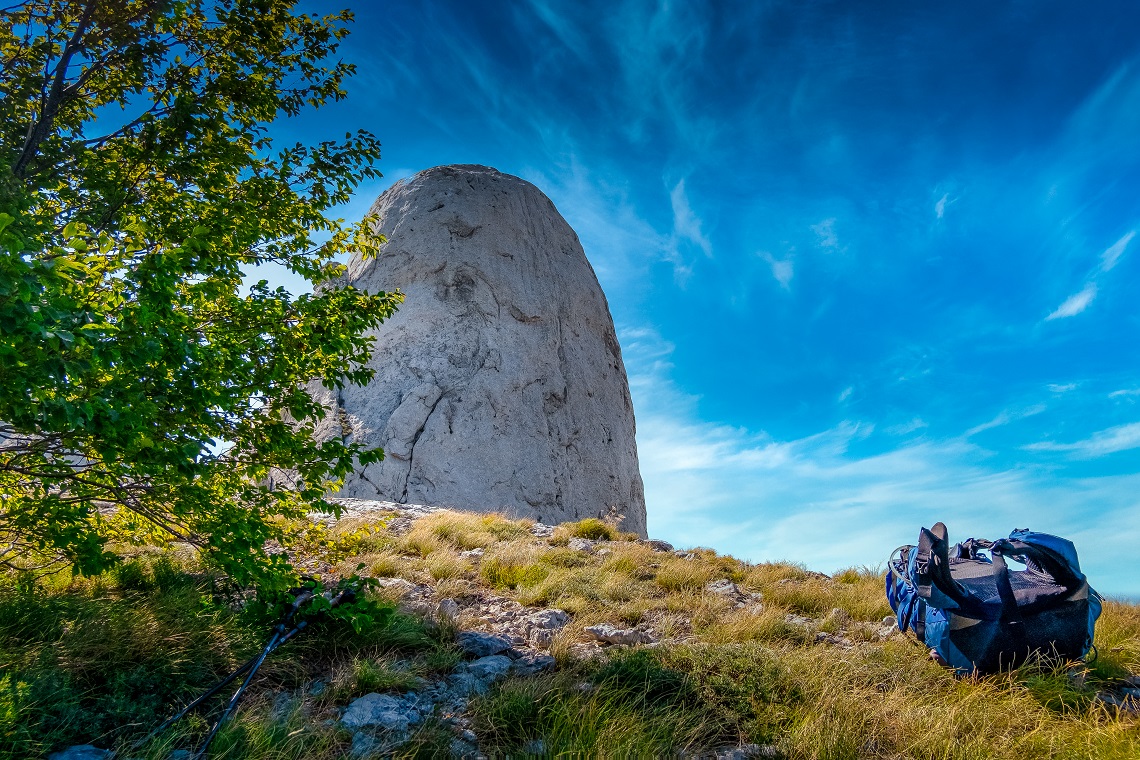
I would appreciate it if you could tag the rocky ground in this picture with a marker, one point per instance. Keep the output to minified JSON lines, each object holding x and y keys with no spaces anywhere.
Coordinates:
{"x":501,"y":637}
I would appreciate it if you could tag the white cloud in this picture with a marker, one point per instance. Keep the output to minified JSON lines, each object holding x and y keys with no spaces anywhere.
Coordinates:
{"x":1075,"y":303}
{"x":908,"y":427}
{"x":1004,"y":418}
{"x":686,"y":224}
{"x":846,"y":393}
{"x":1057,"y":388}
{"x":782,"y":269}
{"x":940,"y":206}
{"x":1099,"y":444}
{"x":809,"y":500}
{"x":1113,"y":253}
{"x":1125,"y":392}
{"x":813,"y":500}
{"x":1080,"y":301}
{"x":825,"y":230}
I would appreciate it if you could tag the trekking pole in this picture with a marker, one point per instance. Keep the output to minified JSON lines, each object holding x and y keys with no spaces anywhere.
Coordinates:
{"x":298,"y":601}
{"x":186,"y":710}
{"x":280,"y":636}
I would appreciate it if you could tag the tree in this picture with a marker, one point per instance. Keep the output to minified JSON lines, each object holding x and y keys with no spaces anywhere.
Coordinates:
{"x":138,"y":181}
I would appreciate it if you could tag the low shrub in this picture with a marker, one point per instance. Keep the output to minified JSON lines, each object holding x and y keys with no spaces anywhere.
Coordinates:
{"x":593,"y":529}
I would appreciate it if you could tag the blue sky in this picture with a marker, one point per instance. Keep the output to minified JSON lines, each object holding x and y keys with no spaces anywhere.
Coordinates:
{"x":872,"y":265}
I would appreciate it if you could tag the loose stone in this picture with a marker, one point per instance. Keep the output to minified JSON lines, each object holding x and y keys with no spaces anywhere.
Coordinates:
{"x":611,"y":635}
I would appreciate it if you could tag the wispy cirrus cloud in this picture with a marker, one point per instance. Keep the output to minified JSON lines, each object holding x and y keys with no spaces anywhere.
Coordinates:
{"x":1099,"y":444}
{"x":1112,"y":254}
{"x":782,"y":269}
{"x":825,"y":233}
{"x":908,"y":427}
{"x":686,"y":224}
{"x":940,"y":206}
{"x":1079,"y":301}
{"x":658,"y":48}
{"x":562,"y":26}
{"x":1005,"y":417}
{"x":1074,"y":304}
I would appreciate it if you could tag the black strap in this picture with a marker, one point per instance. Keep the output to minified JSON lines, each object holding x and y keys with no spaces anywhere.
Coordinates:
{"x":933,"y":567}
{"x":1011,"y":619}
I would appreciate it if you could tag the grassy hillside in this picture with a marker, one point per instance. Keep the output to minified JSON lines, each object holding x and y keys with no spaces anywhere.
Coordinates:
{"x":796,"y":664}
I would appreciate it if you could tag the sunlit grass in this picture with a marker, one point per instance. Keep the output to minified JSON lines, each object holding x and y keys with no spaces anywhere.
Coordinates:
{"x":790,"y":659}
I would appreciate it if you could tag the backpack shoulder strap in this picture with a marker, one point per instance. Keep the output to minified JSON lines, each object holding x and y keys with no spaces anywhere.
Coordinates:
{"x":1010,"y":613}
{"x":1046,"y":559}
{"x":931,"y":570}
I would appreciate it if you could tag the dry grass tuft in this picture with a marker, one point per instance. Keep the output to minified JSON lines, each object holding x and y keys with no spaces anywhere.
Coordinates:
{"x":513,"y":564}
{"x":468,"y":530}
{"x":446,"y":564}
{"x":591,"y":528}
{"x":676,"y":574}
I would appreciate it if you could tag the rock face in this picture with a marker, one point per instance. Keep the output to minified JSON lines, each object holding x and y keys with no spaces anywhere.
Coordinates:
{"x":499,"y":383}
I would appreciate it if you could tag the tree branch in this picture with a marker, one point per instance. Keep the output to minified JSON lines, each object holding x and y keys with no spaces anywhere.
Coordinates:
{"x":42,"y":127}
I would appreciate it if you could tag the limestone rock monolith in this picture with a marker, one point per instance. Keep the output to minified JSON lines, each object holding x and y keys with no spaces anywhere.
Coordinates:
{"x":499,"y":383}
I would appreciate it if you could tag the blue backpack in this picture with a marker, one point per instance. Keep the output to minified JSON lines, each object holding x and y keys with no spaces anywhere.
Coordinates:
{"x":978,"y":614}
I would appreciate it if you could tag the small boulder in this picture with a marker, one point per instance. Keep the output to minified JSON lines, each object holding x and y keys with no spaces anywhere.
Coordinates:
{"x":490,"y":668}
{"x":377,"y":711}
{"x":532,"y":663}
{"x":747,"y":752}
{"x":658,"y":545}
{"x":549,"y":618}
{"x":723,"y":587}
{"x":479,"y":644}
{"x":608,"y":634}
{"x":397,"y":587}
{"x":1118,"y":703}
{"x":838,"y":617}
{"x":365,"y":745}
{"x":581,"y":545}
{"x":535,"y":747}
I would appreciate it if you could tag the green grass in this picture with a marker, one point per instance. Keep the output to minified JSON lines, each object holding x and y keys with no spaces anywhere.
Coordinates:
{"x":103,"y":660}
{"x":593,"y":529}
{"x":809,"y":703}
{"x":630,"y":707}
